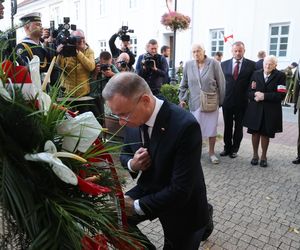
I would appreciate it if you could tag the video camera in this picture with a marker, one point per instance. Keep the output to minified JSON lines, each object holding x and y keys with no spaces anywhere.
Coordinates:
{"x":123,"y":64}
{"x":63,"y":36}
{"x":104,"y":67}
{"x":149,"y":61}
{"x":123,"y":33}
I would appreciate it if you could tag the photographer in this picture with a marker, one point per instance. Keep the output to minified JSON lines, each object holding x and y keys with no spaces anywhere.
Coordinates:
{"x":153,"y":67}
{"x":122,"y":63}
{"x":77,"y":70}
{"x":125,"y":45}
{"x":103,"y":72}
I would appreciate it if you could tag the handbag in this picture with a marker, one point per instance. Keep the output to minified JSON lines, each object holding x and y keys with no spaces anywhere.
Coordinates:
{"x":209,"y":101}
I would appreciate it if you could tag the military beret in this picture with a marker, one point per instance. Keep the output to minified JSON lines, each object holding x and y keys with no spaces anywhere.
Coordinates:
{"x":32,"y":17}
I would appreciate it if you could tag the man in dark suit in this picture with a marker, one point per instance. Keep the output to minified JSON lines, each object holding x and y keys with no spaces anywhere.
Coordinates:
{"x":237,"y":72}
{"x":171,"y":185}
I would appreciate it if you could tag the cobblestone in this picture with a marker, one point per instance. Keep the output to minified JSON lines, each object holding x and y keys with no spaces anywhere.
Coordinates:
{"x":254,"y":208}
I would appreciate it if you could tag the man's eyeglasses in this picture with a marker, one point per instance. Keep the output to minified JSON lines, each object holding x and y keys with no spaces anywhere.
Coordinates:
{"x":126,"y":116}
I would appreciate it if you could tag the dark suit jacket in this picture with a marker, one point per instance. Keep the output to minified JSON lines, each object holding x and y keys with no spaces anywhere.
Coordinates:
{"x":237,"y":90}
{"x":173,"y":187}
{"x":268,"y":111}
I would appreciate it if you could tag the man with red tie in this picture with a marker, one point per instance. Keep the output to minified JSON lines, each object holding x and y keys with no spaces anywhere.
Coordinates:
{"x":237,"y":72}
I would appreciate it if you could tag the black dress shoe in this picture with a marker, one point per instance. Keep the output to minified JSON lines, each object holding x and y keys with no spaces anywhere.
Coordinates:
{"x":296,"y":161}
{"x":233,"y":155}
{"x":254,"y":161}
{"x":263,"y":163}
{"x":224,"y":153}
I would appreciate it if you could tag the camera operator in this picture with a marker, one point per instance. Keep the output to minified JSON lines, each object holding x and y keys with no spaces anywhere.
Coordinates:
{"x":103,"y":72}
{"x":122,"y":63}
{"x":32,"y":43}
{"x":77,"y":70}
{"x":153,"y":67}
{"x":125,"y":45}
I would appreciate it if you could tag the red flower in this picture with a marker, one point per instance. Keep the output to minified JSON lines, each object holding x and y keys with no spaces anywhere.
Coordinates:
{"x":175,"y":21}
{"x":91,"y":188}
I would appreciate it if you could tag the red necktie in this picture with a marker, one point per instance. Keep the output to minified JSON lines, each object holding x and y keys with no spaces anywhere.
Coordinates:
{"x":236,"y":70}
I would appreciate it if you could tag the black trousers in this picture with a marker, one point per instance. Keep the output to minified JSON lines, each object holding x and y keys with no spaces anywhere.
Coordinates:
{"x":177,"y":231}
{"x":298,"y":142}
{"x":233,"y":128}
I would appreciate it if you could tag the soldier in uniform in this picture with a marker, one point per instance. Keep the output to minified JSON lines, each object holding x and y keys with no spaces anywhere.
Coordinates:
{"x":31,"y":44}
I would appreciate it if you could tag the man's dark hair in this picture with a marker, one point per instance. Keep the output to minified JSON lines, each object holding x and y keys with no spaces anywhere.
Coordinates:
{"x":219,"y":53}
{"x":105,"y":55}
{"x":152,"y":42}
{"x":164,"y":48}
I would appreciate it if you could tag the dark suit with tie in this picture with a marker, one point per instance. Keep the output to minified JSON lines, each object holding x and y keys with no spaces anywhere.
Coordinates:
{"x":235,"y":102}
{"x":173,"y":188}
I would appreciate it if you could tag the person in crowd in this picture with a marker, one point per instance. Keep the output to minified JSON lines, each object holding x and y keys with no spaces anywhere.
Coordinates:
{"x":153,"y":67}
{"x":179,"y":71}
{"x":261,"y":55}
{"x":289,"y":73}
{"x":205,"y":74}
{"x":31,"y":44}
{"x":122,"y":63}
{"x":237,"y":72}
{"x":166,"y":52}
{"x":1,"y":9}
{"x":77,"y":71}
{"x":218,"y":56}
{"x":171,"y":185}
{"x":103,"y":72}
{"x":296,"y":101}
{"x":125,"y":47}
{"x":263,"y":117}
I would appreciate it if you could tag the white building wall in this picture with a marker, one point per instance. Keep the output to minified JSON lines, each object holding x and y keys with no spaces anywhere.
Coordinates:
{"x":248,"y":21}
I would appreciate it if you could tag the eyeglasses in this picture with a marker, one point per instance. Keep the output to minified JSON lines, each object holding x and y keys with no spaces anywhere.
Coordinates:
{"x":126,"y":116}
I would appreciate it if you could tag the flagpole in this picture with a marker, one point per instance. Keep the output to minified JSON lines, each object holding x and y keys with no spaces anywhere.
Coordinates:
{"x":173,"y":77}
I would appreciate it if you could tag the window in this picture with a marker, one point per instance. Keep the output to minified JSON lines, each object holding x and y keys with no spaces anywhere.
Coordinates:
{"x":102,"y":7}
{"x":133,"y":42}
{"x":217,"y":41}
{"x":76,"y":12}
{"x":131,"y":4}
{"x":55,"y":15}
{"x":102,"y":45}
{"x":279,"y":35}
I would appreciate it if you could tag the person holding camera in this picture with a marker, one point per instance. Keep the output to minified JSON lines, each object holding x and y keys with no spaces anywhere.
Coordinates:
{"x":103,"y":72}
{"x":125,"y":45}
{"x":122,"y":63}
{"x":32,"y":43}
{"x":153,"y":67}
{"x":77,"y":70}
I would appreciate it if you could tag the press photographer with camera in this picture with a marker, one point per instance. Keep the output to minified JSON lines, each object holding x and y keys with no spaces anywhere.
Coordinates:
{"x":153,"y":67}
{"x":122,"y":63}
{"x":125,"y":44}
{"x":103,"y":72}
{"x":77,"y":69}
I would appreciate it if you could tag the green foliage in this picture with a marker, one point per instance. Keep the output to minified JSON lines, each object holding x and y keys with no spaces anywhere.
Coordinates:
{"x":170,"y":92}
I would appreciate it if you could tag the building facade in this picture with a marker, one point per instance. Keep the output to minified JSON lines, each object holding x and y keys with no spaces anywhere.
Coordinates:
{"x":269,"y":25}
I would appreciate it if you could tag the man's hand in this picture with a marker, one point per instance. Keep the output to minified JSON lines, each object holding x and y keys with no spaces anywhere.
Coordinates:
{"x":129,"y":207}
{"x":259,"y":96}
{"x":182,"y":104}
{"x":59,"y":48}
{"x":154,"y":66}
{"x":141,"y":160}
{"x":108,"y":73}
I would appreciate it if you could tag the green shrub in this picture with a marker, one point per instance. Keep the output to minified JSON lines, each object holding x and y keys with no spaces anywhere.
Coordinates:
{"x":170,"y":92}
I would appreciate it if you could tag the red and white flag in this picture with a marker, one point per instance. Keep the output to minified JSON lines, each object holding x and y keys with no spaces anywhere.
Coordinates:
{"x":227,"y":38}
{"x":281,"y":89}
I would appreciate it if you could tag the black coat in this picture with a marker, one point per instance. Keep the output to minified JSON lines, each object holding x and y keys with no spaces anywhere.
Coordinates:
{"x":268,"y":111}
{"x":173,"y":188}
{"x":237,"y":90}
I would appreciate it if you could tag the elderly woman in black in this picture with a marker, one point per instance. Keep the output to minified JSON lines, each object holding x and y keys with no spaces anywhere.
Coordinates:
{"x":263,"y":117}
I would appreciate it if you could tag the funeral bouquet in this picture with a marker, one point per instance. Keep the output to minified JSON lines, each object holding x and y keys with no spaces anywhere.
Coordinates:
{"x":58,"y":186}
{"x":175,"y":21}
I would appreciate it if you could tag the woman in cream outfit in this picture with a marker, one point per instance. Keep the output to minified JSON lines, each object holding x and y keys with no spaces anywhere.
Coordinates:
{"x":207,"y":73}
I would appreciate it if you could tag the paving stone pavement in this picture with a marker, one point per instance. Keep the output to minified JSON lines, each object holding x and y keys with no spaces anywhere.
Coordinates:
{"x":254,"y":207}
